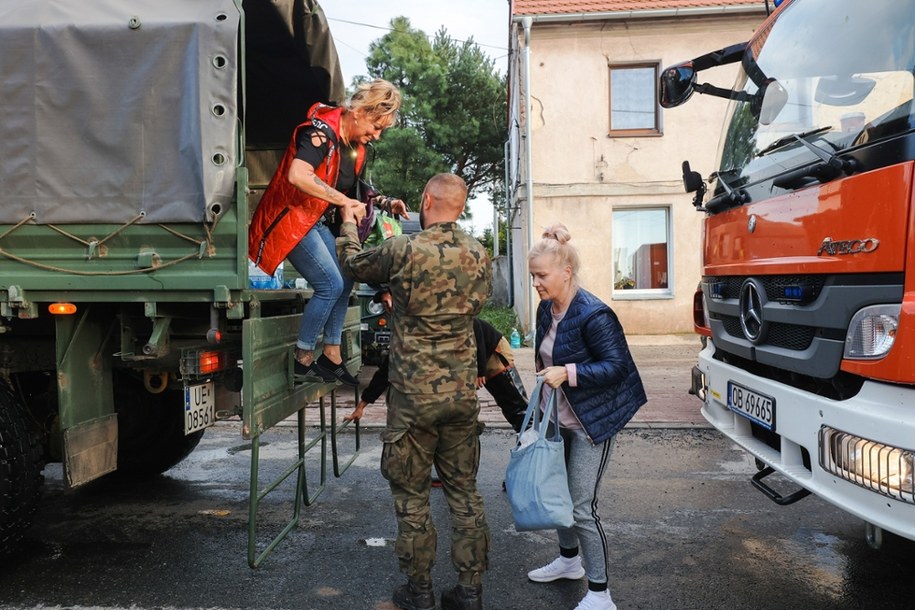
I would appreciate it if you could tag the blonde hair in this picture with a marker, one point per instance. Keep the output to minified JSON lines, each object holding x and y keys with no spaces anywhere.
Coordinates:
{"x":378,"y":99}
{"x":555,"y":241}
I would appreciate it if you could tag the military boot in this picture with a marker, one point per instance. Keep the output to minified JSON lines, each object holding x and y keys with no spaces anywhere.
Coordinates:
{"x":415,"y":596}
{"x":463,"y":597}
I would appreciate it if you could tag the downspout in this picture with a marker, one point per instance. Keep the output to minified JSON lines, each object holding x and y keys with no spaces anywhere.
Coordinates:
{"x":529,"y":178}
{"x":508,"y":226}
{"x":495,"y":212}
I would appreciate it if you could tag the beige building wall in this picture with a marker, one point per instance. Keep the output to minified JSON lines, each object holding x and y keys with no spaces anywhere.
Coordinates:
{"x":580,"y":175}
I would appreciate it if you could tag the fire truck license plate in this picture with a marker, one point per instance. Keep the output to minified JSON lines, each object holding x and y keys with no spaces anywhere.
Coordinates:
{"x":752,"y":405}
{"x":199,"y":407}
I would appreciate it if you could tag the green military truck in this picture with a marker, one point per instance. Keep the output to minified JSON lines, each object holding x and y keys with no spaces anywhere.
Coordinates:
{"x":136,"y":140}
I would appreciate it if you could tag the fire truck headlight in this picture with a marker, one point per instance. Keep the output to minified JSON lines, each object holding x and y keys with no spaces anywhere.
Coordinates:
{"x":886,"y":469}
{"x":872,"y":332}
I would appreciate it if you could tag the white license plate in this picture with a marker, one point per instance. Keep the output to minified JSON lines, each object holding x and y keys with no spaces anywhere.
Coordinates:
{"x":752,"y":405}
{"x":199,"y":407}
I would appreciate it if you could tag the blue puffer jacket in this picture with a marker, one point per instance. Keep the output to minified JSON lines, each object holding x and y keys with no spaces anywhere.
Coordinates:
{"x":609,"y":389}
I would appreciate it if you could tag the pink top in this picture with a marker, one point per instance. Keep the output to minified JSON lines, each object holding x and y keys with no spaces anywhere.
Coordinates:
{"x":567,"y":418}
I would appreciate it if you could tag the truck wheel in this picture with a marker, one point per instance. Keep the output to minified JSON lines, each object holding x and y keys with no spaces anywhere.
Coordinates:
{"x":20,"y":471}
{"x":151,"y":435}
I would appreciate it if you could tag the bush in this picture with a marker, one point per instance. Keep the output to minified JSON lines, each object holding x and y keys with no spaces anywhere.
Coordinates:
{"x":503,"y":319}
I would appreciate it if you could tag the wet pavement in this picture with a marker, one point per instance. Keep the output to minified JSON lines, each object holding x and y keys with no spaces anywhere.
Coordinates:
{"x":687,"y":531}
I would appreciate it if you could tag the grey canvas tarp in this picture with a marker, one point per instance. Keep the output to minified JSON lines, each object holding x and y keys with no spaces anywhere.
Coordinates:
{"x":112,"y":109}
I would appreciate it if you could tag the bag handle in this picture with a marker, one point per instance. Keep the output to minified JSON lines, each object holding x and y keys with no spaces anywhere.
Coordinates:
{"x":541,"y":424}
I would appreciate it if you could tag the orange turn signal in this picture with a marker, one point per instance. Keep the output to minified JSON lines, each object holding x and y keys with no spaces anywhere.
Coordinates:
{"x":382,"y":322}
{"x":63,"y":309}
{"x":210,"y":362}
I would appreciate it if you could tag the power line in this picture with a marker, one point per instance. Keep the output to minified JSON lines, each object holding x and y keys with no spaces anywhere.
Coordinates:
{"x":390,"y":29}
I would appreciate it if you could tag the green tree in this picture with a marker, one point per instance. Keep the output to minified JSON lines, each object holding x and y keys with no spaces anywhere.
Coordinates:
{"x":453,"y":113}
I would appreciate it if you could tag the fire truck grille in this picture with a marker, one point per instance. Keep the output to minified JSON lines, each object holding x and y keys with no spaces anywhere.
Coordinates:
{"x":787,"y":336}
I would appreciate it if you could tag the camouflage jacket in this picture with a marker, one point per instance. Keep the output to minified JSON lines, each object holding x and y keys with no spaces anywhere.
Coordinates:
{"x":439,"y":279}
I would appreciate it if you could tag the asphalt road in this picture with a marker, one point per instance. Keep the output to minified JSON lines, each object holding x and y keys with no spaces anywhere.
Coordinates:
{"x":687,"y":531}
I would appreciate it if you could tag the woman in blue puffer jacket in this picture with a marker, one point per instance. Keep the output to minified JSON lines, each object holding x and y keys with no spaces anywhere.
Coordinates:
{"x":581,"y":352}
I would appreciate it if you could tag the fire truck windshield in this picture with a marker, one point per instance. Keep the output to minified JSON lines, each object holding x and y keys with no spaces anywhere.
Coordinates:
{"x":853,"y":88}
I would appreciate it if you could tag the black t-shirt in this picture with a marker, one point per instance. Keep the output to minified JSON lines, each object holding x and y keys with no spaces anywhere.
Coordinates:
{"x":312,"y":146}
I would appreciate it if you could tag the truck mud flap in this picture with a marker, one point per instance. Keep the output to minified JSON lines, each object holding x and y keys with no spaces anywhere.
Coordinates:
{"x":269,"y":396}
{"x":773,"y":495}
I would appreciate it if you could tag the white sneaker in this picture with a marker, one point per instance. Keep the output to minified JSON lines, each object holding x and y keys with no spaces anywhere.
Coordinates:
{"x":561,"y":567}
{"x":596,"y":600}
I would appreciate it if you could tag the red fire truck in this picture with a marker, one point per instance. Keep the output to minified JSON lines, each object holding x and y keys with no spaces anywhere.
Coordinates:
{"x":807,"y":297}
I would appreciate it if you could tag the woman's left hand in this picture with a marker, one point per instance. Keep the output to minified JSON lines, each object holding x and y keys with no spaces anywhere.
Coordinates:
{"x":554,"y":376}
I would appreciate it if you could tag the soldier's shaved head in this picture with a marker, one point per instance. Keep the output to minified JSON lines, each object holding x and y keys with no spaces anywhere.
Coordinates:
{"x":443,"y":199}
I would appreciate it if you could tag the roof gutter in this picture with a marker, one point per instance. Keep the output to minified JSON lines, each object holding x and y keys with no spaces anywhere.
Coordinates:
{"x":665,"y":13}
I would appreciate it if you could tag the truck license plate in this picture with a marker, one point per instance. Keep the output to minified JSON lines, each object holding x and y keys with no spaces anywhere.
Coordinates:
{"x":752,"y":405}
{"x":199,"y":407}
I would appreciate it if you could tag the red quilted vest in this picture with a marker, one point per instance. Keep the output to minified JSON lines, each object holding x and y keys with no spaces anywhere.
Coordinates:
{"x":285,"y":214}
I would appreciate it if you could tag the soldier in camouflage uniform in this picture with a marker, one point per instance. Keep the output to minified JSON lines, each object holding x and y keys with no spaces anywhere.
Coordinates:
{"x":439,"y":280}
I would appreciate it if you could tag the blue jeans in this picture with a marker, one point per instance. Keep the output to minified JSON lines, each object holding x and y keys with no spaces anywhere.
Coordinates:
{"x":315,"y":258}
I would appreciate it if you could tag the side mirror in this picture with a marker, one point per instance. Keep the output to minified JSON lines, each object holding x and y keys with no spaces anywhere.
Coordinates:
{"x":774,"y":99}
{"x":692,"y":181}
{"x":677,"y":84}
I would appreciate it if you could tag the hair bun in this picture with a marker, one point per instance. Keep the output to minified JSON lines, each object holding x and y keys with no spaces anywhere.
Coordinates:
{"x":559,"y":232}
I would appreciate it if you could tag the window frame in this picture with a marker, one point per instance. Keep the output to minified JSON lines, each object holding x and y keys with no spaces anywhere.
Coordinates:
{"x":644,"y":294}
{"x":641,"y":131}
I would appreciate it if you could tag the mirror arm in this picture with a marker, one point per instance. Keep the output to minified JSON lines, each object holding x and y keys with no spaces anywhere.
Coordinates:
{"x":721,"y":57}
{"x":730,"y":94}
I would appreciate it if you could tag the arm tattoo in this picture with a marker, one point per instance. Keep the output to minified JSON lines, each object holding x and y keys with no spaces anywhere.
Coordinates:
{"x":327,"y":192}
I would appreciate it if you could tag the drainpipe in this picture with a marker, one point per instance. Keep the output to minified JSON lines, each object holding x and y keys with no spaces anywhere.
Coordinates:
{"x":506,"y":151}
{"x":529,"y":162}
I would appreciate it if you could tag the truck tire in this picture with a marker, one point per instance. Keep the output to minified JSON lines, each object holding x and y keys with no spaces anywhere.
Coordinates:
{"x":20,"y":471}
{"x":151,"y":435}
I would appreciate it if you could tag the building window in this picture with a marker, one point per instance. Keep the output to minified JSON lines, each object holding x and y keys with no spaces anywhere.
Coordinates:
{"x":641,"y":253}
{"x":633,"y":100}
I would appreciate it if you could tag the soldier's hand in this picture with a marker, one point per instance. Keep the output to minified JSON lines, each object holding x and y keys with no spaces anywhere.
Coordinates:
{"x":481,"y":381}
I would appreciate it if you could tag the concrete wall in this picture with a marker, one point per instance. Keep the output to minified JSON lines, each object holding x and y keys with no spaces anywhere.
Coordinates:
{"x":580,"y":174}
{"x":500,"y":279}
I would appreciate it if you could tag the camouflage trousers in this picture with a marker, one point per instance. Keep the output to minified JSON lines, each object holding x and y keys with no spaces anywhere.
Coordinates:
{"x":427,"y":429}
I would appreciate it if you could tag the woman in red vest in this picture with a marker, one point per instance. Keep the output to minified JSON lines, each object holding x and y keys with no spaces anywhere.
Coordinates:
{"x":295,"y":218}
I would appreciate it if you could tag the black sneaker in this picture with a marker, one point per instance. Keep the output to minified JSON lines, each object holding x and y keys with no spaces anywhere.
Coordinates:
{"x":312,"y":373}
{"x":337,"y":371}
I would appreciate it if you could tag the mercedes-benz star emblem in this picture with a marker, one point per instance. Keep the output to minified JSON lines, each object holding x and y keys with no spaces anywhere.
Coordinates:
{"x":752,"y":300}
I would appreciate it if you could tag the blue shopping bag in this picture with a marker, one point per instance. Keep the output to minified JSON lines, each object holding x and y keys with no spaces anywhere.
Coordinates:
{"x":535,"y":480}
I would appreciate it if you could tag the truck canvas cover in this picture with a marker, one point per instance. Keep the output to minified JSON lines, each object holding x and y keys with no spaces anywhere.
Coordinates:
{"x":115,"y":110}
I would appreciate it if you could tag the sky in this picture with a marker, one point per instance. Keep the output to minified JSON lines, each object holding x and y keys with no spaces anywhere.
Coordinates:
{"x":356,"y":23}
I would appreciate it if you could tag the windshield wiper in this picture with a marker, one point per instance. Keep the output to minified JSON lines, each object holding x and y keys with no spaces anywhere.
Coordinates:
{"x":791,"y":138}
{"x":828,"y":168}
